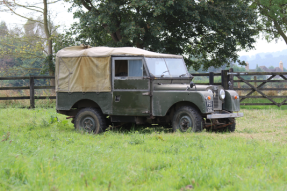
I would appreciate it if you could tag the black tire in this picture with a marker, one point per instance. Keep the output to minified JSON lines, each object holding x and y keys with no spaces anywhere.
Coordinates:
{"x":90,"y":120}
{"x":232,"y":127}
{"x":186,"y":119}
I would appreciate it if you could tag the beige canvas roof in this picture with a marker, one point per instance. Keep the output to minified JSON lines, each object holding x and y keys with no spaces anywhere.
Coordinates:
{"x":87,"y":69}
{"x":81,"y":51}
{"x":83,"y":74}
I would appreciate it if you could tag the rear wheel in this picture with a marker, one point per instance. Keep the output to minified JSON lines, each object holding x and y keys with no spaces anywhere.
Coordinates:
{"x":90,"y":120}
{"x":187,"y":118}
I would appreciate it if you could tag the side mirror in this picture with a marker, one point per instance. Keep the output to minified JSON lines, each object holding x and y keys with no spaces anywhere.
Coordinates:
{"x":191,"y":84}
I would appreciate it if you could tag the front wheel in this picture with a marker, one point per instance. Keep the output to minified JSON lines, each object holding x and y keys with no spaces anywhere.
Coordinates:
{"x":232,"y":126}
{"x":187,"y":118}
{"x":90,"y":120}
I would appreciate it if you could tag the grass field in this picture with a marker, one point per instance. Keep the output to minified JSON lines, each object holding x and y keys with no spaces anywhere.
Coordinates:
{"x":263,"y":100}
{"x":40,"y":150}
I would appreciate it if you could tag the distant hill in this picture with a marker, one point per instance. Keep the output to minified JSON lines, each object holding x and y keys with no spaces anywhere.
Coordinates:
{"x":266,"y":59}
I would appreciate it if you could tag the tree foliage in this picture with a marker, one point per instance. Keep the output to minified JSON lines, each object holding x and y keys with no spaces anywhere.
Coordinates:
{"x":38,"y":33}
{"x":22,"y":51}
{"x":207,"y":33}
{"x":3,"y":29}
{"x":273,"y":18}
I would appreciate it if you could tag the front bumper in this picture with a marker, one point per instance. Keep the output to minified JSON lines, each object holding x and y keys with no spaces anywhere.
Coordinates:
{"x":224,"y":115}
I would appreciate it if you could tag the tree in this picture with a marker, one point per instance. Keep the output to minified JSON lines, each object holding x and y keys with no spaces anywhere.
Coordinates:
{"x":273,"y":18}
{"x":210,"y":31}
{"x":21,"y":51}
{"x":3,"y":29}
{"x":45,"y":23}
{"x":271,"y":67}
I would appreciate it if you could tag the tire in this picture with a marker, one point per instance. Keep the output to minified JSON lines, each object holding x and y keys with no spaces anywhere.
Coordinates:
{"x":187,"y":118}
{"x":90,"y":120}
{"x":232,"y":127}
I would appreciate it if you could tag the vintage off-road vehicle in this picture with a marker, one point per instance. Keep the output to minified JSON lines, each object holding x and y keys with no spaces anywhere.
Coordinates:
{"x":101,"y":85}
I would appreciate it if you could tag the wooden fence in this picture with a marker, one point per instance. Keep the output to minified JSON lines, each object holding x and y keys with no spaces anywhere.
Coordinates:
{"x":227,"y":81}
{"x":32,"y":88}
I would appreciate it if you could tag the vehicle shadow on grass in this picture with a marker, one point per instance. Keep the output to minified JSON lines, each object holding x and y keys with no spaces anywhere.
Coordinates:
{"x":149,"y":129}
{"x":131,"y":128}
{"x":143,"y":129}
{"x":123,"y":129}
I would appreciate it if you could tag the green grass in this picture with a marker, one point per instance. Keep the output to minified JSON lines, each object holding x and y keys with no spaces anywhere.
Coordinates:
{"x":264,"y":107}
{"x":40,"y":150}
{"x":263,"y":100}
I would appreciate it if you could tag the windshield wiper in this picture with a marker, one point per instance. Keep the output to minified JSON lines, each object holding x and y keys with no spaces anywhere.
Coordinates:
{"x":163,"y":73}
{"x":182,"y":75}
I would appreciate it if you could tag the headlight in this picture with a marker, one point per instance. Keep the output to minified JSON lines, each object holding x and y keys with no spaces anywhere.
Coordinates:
{"x":222,"y":94}
{"x":210,"y":91}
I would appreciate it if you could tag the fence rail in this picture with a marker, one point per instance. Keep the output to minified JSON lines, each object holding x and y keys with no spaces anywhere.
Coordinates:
{"x":227,"y":81}
{"x":32,"y":88}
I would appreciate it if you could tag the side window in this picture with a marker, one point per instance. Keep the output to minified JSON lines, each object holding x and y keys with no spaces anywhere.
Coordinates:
{"x":129,"y":68}
{"x":135,"y":68}
{"x":121,"y":68}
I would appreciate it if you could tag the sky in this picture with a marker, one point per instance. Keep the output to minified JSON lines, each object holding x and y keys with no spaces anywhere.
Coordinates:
{"x":65,"y":19}
{"x":59,"y":12}
{"x":262,"y":46}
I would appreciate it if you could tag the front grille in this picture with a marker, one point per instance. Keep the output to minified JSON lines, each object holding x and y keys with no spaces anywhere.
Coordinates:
{"x":215,"y":98}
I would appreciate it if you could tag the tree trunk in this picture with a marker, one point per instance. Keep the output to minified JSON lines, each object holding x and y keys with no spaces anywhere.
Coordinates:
{"x":280,"y":31}
{"x":49,"y":41}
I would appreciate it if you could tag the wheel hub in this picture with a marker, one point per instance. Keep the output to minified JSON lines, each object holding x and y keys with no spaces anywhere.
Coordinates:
{"x":88,"y":124}
{"x":185,"y":122}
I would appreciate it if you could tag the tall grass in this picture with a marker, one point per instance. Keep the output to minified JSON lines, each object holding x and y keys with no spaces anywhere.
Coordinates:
{"x":40,"y":150}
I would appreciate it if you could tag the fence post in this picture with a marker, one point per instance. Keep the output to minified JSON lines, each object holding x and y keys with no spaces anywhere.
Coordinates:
{"x":231,"y":85}
{"x":211,"y":78}
{"x":32,"y":92}
{"x":224,"y":79}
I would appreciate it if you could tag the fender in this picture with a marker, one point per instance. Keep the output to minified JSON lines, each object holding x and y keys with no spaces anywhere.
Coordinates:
{"x":65,"y":101}
{"x":163,"y":100}
{"x":230,"y":103}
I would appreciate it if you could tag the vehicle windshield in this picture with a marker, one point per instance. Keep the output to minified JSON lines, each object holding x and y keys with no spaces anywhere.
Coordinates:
{"x":166,"y":67}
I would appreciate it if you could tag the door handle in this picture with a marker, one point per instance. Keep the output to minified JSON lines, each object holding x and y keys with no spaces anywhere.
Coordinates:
{"x":117,"y":98}
{"x":146,"y":94}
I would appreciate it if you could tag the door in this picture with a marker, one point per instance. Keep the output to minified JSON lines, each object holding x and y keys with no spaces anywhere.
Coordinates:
{"x":131,"y":87}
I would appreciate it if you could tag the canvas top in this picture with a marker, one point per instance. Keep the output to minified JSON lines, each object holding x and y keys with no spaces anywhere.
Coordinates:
{"x":102,"y":51}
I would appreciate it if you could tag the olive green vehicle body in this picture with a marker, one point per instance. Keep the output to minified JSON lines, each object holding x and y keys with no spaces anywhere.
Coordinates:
{"x":147,"y":98}
{"x":132,"y":103}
